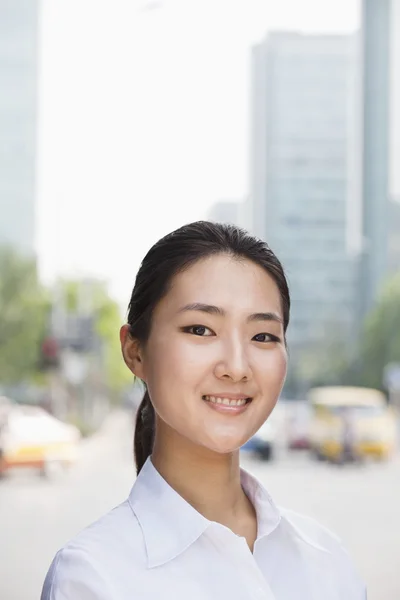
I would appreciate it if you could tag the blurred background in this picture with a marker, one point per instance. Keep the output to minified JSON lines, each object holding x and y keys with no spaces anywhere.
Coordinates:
{"x":122,"y":120}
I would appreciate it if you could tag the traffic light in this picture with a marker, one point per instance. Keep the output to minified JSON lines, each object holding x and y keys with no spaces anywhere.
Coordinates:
{"x":50,"y":354}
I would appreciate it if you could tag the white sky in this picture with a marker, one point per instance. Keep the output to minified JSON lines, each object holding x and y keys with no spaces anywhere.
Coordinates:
{"x":143,"y":120}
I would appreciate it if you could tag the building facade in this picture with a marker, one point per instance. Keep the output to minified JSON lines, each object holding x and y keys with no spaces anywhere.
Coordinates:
{"x":303,"y":102}
{"x":18,"y":120}
{"x":379,"y":147}
{"x":375,"y":150}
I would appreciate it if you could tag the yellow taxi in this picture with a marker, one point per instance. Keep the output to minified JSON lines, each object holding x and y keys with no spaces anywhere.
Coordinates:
{"x":351,"y":417}
{"x":31,"y":437}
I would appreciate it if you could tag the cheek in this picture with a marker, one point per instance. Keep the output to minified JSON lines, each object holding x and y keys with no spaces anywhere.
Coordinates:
{"x":175,"y":364}
{"x":281,"y":366}
{"x":271,"y":367}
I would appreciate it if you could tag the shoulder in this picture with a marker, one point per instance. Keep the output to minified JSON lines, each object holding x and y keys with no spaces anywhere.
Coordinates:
{"x":312,"y":530}
{"x":315,"y":535}
{"x":89,"y":564}
{"x":73,"y":574}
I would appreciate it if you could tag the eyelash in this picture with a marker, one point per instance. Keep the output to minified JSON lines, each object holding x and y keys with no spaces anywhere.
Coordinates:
{"x":272,"y":338}
{"x":190,"y":329}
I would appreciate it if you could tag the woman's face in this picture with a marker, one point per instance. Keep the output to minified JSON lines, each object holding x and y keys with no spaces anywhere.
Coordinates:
{"x":215,"y":361}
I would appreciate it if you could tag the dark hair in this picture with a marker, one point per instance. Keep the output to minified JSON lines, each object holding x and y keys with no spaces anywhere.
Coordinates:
{"x":171,"y":255}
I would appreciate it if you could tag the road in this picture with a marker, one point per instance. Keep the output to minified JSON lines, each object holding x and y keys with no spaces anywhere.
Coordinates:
{"x":361,"y":504}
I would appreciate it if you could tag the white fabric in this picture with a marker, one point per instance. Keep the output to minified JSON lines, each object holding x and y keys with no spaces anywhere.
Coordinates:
{"x":155,"y":545}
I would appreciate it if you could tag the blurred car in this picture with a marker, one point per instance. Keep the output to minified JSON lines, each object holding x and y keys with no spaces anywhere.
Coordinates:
{"x":352,"y":421}
{"x":298,"y":426}
{"x":263,"y":442}
{"x":31,"y":437}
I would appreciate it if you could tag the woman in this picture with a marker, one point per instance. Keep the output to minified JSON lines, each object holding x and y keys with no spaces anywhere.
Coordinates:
{"x":206,"y":333}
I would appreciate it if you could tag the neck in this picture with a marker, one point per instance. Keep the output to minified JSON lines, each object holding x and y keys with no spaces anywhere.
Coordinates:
{"x":209,"y":481}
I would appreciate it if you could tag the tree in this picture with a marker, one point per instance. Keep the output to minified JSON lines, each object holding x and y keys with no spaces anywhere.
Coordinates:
{"x":380,"y":342}
{"x":93,"y":296}
{"x":326,"y":360}
{"x":23,"y":314}
{"x":108,"y":323}
{"x":340,"y":362}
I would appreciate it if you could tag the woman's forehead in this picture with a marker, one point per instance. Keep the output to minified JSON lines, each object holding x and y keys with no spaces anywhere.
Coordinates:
{"x":225,"y":281}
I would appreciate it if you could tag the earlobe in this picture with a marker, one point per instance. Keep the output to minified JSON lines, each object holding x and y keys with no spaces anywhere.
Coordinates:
{"x":131,"y":352}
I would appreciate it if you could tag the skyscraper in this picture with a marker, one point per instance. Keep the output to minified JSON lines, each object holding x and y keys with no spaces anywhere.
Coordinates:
{"x":379,"y":142}
{"x":18,"y":85}
{"x":303,"y":91}
{"x":375,"y":107}
{"x":394,"y":237}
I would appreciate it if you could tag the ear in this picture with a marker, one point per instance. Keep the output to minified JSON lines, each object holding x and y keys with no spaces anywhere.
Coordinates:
{"x":131,"y":352}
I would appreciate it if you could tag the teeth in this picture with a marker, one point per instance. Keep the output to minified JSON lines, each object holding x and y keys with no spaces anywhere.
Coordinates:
{"x":225,"y":401}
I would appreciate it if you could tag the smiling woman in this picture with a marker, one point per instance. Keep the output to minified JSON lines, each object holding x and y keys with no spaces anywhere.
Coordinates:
{"x":206,"y":334}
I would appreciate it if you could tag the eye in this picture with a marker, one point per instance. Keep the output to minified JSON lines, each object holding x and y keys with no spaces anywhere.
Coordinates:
{"x":265,"y":337}
{"x":199,"y":330}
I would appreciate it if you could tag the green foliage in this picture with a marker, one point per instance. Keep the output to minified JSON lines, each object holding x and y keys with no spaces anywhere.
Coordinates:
{"x":325,"y":362}
{"x":108,"y":321}
{"x":108,"y":326}
{"x":24,"y":306}
{"x":380,"y":342}
{"x":24,"y":318}
{"x":364,"y":364}
{"x":85,"y":428}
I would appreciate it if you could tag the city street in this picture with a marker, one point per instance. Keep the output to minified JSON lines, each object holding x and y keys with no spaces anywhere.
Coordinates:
{"x":361,"y":504}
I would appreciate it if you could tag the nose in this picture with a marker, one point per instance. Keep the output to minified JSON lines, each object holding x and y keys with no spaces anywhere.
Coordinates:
{"x":234,"y":363}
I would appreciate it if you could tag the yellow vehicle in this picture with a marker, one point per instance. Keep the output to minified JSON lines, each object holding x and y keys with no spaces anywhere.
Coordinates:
{"x":31,"y":437}
{"x":351,"y":420}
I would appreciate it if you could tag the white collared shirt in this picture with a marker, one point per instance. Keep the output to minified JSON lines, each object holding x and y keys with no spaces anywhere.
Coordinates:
{"x":155,"y":545}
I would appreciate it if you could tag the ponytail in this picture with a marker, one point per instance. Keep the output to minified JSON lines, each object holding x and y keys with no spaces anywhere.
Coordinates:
{"x":144,"y":432}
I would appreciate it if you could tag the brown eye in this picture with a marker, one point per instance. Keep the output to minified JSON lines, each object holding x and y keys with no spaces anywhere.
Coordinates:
{"x":199,"y":330}
{"x":265,"y":337}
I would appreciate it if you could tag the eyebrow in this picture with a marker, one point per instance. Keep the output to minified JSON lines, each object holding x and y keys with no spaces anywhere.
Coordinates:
{"x":216,"y":310}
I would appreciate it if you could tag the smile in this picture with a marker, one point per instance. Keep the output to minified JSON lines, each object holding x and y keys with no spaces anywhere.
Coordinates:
{"x":227,"y":406}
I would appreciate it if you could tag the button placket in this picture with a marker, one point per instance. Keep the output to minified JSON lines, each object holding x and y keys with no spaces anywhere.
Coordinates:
{"x":236,"y":551}
{"x":255,"y":582}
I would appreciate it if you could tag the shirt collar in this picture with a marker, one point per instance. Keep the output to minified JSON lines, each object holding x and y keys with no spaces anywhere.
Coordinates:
{"x":170,"y":524}
{"x":268,"y":514}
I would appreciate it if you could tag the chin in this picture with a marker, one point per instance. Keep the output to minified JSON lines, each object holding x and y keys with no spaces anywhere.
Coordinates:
{"x":225,"y":446}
